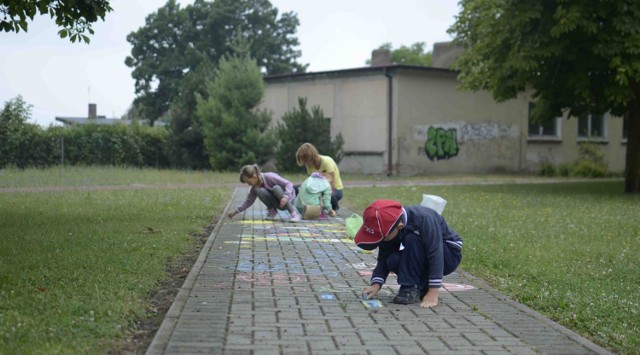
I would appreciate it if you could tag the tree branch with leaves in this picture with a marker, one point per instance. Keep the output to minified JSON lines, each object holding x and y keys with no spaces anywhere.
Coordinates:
{"x":577,"y":56}
{"x":74,"y":17}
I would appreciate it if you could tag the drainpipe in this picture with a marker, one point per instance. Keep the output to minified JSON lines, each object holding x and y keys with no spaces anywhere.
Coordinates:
{"x":390,"y":121}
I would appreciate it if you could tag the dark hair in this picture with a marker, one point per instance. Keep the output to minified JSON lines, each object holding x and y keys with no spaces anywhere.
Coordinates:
{"x":249,"y":171}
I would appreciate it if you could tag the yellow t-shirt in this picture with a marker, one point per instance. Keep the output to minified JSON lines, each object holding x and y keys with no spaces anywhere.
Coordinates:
{"x":328,"y":165}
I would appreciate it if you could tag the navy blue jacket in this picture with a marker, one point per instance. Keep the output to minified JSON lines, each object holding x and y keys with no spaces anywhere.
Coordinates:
{"x":434,"y":232}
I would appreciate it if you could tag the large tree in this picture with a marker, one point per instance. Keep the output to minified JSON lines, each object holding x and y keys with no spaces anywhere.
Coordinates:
{"x":187,"y":144}
{"x":577,"y":56}
{"x":175,"y":41}
{"x":73,"y":16}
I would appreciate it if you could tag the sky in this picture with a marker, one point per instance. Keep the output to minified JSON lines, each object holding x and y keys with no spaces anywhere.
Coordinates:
{"x":60,"y":78}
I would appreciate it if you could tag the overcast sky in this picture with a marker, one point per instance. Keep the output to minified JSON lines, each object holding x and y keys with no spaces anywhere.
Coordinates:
{"x":60,"y":78}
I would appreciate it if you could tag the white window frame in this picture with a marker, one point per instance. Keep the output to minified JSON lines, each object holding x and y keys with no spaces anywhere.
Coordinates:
{"x":590,"y":137}
{"x":541,"y":135}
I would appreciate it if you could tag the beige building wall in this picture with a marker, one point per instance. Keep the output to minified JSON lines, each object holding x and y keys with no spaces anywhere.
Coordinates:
{"x":436,"y":128}
{"x":565,"y":149}
{"x":443,"y":130}
{"x":357,"y":107}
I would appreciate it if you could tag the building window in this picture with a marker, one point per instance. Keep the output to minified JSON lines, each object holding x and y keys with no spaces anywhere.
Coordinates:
{"x":591,"y":127}
{"x":548,"y":129}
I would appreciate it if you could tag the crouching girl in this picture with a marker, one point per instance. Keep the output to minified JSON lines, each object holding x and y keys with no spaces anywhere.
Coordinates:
{"x":272,"y":189}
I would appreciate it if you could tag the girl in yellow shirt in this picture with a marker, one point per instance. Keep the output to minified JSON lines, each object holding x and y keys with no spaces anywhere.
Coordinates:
{"x":308,"y":156}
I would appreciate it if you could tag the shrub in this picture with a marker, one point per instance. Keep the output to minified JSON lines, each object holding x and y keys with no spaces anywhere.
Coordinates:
{"x":301,"y":126}
{"x":586,"y":168}
{"x":564,"y":169}
{"x":26,"y":145}
{"x":590,"y":162}
{"x":547,"y":169}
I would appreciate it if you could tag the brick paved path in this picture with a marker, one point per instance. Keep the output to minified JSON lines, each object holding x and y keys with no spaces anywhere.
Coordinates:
{"x":271,"y":287}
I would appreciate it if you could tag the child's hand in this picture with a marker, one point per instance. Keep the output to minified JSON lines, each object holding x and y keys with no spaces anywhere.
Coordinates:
{"x":370,"y":291}
{"x":231,"y":214}
{"x":332,"y":213}
{"x":283,"y":201}
{"x":430,"y":299}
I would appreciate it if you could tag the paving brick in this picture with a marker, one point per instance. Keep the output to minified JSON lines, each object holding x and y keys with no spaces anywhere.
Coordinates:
{"x":266,"y":287}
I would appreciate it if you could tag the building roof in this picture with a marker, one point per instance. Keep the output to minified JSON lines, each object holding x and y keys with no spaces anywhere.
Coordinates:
{"x":98,"y":120}
{"x":101,"y":120}
{"x":354,"y":71}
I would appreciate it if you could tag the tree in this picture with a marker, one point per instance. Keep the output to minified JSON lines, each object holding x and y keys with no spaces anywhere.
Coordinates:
{"x":20,"y":141}
{"x":175,"y":41}
{"x":301,"y":126}
{"x":74,"y":17}
{"x":13,"y":119}
{"x":187,"y":137}
{"x":235,"y":132}
{"x":582,"y":57}
{"x":414,"y":55}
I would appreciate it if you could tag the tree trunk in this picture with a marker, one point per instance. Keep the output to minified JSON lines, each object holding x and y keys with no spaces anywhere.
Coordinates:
{"x":632,"y":167}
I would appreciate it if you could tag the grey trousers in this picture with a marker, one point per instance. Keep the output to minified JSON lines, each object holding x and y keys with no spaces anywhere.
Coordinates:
{"x":272,"y":198}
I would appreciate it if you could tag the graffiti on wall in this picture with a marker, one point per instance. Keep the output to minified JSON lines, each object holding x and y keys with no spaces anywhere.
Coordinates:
{"x":441,"y":143}
{"x":467,"y":131}
{"x":443,"y":140}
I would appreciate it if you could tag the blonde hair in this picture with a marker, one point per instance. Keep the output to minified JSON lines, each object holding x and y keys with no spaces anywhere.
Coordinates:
{"x":249,"y":171}
{"x":307,"y":153}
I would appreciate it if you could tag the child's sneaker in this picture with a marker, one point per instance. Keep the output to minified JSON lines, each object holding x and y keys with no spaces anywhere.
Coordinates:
{"x":272,"y":213}
{"x":407,"y":295}
{"x":323,"y":214}
{"x":295,"y":217}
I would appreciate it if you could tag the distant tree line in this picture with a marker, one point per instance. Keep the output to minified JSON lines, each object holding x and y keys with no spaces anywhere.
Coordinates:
{"x":200,"y":69}
{"x":174,"y":60}
{"x":25,"y":145}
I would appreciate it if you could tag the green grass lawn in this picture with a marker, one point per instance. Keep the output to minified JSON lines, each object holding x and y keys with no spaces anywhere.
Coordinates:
{"x":78,"y":267}
{"x":569,"y":251}
{"x":107,"y":176}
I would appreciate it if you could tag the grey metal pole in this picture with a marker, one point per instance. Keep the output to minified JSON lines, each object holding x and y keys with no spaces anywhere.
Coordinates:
{"x":61,"y":150}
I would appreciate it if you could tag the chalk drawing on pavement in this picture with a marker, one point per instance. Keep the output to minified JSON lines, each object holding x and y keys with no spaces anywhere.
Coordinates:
{"x":372,"y":304}
{"x":270,"y":279}
{"x":336,"y":289}
{"x":296,"y":235}
{"x":277,"y":279}
{"x":450,"y":287}
{"x":363,"y":266}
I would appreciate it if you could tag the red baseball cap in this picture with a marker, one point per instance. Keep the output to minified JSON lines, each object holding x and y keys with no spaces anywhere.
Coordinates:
{"x":378,"y":220}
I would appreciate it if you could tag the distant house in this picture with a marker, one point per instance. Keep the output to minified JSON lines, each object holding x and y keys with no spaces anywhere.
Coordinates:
{"x":405,"y":120}
{"x":93,"y":118}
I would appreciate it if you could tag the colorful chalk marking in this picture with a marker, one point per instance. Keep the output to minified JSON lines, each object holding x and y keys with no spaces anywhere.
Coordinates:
{"x":372,"y":304}
{"x":456,"y":287}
